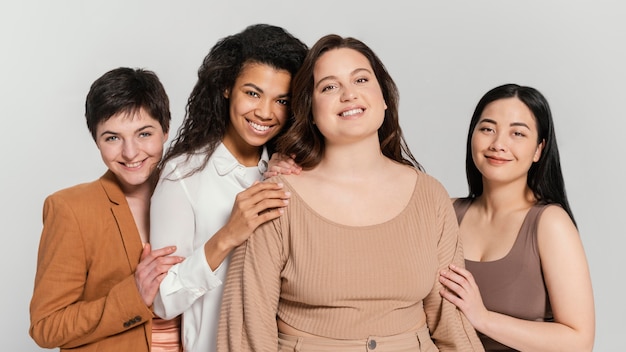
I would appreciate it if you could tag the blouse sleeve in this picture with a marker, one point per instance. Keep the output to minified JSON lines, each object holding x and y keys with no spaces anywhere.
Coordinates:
{"x":251,"y":294}
{"x":449,"y":328}
{"x":173,"y":223}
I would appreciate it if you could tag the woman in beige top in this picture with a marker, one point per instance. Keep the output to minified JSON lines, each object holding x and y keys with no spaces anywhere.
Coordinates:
{"x":353,"y":263}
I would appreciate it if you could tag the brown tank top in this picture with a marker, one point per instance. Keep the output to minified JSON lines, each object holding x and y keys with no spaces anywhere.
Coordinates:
{"x":512,"y":285}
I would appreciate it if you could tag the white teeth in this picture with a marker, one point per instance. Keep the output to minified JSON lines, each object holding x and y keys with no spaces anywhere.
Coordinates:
{"x":258,"y":127}
{"x":351,"y":112}
{"x":133,"y":165}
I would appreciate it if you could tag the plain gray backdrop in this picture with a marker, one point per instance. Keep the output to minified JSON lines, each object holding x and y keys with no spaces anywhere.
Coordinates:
{"x":444,"y":55}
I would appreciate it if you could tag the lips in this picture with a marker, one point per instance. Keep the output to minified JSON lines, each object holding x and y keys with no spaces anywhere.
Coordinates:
{"x":351,"y":112}
{"x":496,"y":160}
{"x":256,"y":126}
{"x":133,"y":165}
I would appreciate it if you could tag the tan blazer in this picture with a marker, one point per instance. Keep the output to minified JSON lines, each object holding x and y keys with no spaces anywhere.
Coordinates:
{"x":85,"y":296}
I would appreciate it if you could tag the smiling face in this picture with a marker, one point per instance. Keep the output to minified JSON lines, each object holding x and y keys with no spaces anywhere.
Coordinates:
{"x":348,"y":102}
{"x":259,"y":104}
{"x":504,"y":142}
{"x":131,"y":146}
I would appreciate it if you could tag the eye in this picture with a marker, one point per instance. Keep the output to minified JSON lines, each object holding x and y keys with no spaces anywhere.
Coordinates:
{"x":145,"y":134}
{"x":362,"y":80}
{"x":519,"y":134}
{"x":253,"y":94}
{"x":486,"y":129}
{"x":111,"y":138}
{"x":329,"y":87}
{"x":283,"y":102}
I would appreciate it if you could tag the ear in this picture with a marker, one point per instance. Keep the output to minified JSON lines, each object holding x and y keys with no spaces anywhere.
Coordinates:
{"x":226,"y":93}
{"x":539,"y":150}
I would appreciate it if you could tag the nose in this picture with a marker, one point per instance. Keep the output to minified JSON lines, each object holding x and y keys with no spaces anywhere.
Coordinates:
{"x":129,"y":149}
{"x":264,"y":109}
{"x":348,"y":94}
{"x":498,"y":143}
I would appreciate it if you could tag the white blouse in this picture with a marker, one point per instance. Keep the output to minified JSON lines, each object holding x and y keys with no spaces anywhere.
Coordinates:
{"x":186,"y":212}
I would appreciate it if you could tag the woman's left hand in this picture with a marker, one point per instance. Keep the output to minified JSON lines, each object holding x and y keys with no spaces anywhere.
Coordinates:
{"x":281,"y":164}
{"x":460,"y":289}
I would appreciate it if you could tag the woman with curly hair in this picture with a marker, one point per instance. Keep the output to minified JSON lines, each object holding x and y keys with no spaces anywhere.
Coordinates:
{"x":209,"y":198}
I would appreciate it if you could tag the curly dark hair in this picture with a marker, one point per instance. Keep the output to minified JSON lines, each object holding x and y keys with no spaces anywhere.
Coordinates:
{"x":207,"y":111}
{"x":304,"y":141}
{"x":545,"y":177}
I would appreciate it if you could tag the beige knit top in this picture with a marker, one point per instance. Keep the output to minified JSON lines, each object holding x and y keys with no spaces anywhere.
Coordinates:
{"x":346,"y":282}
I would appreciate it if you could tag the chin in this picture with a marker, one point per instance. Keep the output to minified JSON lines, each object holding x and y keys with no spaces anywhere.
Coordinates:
{"x":133,"y":180}
{"x":259,"y":141}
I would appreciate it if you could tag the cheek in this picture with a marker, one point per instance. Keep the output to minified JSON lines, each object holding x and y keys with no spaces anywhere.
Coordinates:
{"x":232,"y":110}
{"x":282,"y":114}
{"x":242,"y":105}
{"x":155,"y":148}
{"x":321,"y":105}
{"x":474,"y":143}
{"x":537,"y":154}
{"x":476,"y":148}
{"x":238,"y":107}
{"x":107,"y":152}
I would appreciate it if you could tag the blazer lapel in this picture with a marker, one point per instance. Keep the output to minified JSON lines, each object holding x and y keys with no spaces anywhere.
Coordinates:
{"x":124,"y":218}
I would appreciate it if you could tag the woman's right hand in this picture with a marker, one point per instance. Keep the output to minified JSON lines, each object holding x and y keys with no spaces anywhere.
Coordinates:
{"x":151,"y":270}
{"x":260,"y":203}
{"x":461,"y":289}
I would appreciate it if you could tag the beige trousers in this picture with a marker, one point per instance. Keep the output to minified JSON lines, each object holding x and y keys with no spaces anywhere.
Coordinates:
{"x":417,"y":341}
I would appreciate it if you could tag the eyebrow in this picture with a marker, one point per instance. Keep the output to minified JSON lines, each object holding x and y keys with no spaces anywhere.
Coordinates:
{"x":143,"y":128}
{"x":356,"y":71}
{"x":521,"y":124}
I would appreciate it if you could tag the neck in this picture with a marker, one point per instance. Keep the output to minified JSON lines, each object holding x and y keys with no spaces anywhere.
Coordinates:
{"x":139,"y":203}
{"x":246,"y":155}
{"x":353,"y":160}
{"x":506,"y":197}
{"x":142,"y":191}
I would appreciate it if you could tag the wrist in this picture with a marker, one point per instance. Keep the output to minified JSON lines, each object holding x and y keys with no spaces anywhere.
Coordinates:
{"x":216,"y":249}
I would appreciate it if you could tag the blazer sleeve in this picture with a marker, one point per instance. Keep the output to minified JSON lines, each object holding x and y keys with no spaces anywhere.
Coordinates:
{"x":449,"y":328}
{"x":252,"y":291}
{"x":60,"y":316}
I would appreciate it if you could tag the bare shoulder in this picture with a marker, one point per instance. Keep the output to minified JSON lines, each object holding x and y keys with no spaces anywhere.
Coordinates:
{"x":555,"y":219}
{"x":556,"y":230}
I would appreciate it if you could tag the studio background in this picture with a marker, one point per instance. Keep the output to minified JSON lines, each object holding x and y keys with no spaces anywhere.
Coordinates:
{"x":443,"y":55}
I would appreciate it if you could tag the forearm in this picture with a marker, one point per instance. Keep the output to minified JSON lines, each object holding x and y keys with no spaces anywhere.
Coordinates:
{"x":184,"y":284}
{"x":173,"y":222}
{"x":83,"y":322}
{"x":75,"y":301}
{"x":218,"y":248}
{"x":449,"y":327}
{"x":248,"y":317}
{"x":525,"y":335}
